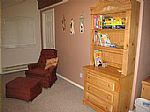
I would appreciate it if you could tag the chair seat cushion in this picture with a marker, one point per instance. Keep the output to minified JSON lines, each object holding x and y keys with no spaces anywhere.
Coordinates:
{"x":41,"y":72}
{"x":23,"y":88}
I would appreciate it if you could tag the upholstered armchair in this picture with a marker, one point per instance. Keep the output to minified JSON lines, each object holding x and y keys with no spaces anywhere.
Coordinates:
{"x":45,"y":69}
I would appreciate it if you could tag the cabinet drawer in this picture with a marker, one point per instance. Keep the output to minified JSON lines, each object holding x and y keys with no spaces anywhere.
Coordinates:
{"x":102,"y":94}
{"x":101,"y":82}
{"x":145,"y":91}
{"x":100,"y":103}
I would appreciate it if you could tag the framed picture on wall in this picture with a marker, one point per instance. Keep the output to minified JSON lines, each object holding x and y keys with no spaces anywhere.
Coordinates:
{"x":72,"y":31}
{"x":81,"y":24}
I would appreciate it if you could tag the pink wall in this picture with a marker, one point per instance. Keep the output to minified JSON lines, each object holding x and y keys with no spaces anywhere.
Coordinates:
{"x":73,"y":50}
{"x":143,"y":62}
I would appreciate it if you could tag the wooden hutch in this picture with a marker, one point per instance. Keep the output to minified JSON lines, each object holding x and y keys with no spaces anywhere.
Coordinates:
{"x":114,"y":27}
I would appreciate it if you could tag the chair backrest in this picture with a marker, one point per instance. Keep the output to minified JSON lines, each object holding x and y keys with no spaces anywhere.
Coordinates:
{"x":47,"y":54}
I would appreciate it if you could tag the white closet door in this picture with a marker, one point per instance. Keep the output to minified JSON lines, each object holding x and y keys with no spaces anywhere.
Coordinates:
{"x":48,"y":29}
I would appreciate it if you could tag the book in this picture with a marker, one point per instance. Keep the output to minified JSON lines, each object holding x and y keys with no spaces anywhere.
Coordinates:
{"x":95,"y":21}
{"x":98,"y":21}
{"x":101,"y":39}
{"x":104,"y":40}
{"x":98,"y":58}
{"x":97,"y":38}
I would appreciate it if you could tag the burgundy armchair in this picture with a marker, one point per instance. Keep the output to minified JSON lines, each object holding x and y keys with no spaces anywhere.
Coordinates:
{"x":38,"y":70}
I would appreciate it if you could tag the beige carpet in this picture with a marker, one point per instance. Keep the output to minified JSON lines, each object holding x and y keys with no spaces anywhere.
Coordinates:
{"x":61,"y":97}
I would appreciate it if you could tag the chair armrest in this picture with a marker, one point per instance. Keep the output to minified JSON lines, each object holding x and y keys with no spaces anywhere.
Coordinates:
{"x":33,"y":65}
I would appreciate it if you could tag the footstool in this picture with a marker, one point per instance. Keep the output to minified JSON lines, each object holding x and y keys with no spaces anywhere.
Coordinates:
{"x":23,"y":88}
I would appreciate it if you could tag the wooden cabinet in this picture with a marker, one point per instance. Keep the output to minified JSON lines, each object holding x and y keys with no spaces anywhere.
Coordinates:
{"x":106,"y":89}
{"x":108,"y":78}
{"x":146,"y":88}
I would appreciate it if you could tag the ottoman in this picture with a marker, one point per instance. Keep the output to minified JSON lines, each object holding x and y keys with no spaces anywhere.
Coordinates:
{"x":23,"y":88}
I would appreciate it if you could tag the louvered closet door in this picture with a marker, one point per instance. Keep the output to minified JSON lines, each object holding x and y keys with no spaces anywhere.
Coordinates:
{"x":48,"y":29}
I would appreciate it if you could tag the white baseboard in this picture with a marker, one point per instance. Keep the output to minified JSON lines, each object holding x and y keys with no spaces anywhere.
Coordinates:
{"x":68,"y":80}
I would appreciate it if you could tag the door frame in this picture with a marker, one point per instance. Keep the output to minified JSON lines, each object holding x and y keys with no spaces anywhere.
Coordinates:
{"x":42,"y":13}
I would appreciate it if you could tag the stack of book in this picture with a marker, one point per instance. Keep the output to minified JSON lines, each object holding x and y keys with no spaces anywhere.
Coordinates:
{"x":101,"y":39}
{"x":108,"y":22}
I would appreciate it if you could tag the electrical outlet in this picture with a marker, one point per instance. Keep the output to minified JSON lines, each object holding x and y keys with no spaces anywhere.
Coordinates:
{"x":81,"y":75}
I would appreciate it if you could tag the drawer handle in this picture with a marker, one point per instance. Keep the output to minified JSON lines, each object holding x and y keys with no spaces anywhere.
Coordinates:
{"x":88,"y":77}
{"x":87,"y":97}
{"x":108,"y":85}
{"x":106,"y":108}
{"x":88,"y":88}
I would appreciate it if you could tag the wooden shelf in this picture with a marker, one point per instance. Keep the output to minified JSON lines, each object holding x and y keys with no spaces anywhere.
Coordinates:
{"x":109,"y":30}
{"x":109,"y":49}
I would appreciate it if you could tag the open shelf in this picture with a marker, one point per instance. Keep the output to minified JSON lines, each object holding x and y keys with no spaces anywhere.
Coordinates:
{"x":109,"y":49}
{"x":112,"y":55}
{"x":107,"y":30}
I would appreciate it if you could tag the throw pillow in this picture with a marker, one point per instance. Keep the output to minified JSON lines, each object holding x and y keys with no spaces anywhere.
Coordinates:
{"x":51,"y":62}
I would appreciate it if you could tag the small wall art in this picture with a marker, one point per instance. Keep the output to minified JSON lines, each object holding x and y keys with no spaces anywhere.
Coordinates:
{"x":72,"y":31}
{"x":63,"y":23}
{"x":81,"y":24}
